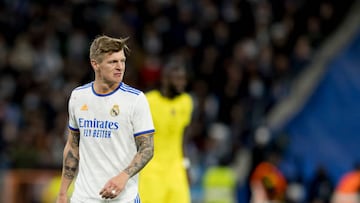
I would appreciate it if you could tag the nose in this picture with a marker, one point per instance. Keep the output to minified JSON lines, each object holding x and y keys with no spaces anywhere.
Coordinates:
{"x":119,"y":65}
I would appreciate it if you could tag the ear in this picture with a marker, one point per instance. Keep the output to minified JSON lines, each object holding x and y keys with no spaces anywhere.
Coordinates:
{"x":94,"y":64}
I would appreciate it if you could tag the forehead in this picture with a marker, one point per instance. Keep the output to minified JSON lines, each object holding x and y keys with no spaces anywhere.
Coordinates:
{"x":177,"y":73}
{"x":114,"y":55}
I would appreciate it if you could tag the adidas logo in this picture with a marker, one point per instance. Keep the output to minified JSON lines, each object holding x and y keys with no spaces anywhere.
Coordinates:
{"x":84,"y":107}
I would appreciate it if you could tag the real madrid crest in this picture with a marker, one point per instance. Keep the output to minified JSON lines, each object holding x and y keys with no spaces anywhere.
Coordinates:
{"x":115,"y":110}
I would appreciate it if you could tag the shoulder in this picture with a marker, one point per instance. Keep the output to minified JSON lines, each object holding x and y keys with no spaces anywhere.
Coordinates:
{"x":79,"y":94}
{"x":152,"y":93}
{"x":82,"y":87}
{"x":186,"y":98}
{"x":130,"y":90}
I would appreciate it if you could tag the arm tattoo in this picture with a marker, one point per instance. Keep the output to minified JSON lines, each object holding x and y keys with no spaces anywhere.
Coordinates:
{"x":71,"y":161}
{"x":76,"y":139}
{"x":71,"y":165}
{"x":145,"y":146}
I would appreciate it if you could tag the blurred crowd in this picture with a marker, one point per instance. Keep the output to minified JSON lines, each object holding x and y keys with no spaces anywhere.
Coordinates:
{"x":242,"y":56}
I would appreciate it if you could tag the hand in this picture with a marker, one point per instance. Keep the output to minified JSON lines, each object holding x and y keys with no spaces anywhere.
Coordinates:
{"x":114,"y":186}
{"x":62,"y":199}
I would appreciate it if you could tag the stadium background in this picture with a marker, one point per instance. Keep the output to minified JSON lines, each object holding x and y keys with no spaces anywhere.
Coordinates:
{"x":259,"y":77}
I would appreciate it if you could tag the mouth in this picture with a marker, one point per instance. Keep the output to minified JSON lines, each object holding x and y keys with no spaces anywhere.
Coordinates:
{"x":118,"y":74}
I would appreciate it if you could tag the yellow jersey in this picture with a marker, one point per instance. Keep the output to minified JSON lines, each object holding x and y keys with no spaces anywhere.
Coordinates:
{"x":164,"y":178}
{"x":170,"y":117}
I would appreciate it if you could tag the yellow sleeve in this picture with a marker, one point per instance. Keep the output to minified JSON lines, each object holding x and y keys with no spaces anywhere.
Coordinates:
{"x":188,"y":102}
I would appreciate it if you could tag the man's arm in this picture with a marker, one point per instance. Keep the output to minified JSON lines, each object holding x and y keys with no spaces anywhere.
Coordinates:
{"x":145,"y":147}
{"x":70,"y":163}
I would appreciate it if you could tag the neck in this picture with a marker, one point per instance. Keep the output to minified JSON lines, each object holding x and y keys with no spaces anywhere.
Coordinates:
{"x":104,"y":88}
{"x":166,"y":92}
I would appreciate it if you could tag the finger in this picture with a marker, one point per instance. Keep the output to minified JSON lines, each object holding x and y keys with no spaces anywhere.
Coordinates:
{"x":108,"y":193}
{"x":102,"y":191}
{"x":105,"y":195}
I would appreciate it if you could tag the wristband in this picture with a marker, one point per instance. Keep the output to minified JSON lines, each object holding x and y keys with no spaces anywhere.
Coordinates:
{"x":186,"y":162}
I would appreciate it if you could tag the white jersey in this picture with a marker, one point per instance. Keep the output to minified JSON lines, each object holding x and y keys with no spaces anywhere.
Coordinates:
{"x":108,"y":124}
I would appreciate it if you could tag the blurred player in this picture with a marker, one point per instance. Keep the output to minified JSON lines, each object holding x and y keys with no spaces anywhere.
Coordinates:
{"x":165,"y":179}
{"x":110,"y":131}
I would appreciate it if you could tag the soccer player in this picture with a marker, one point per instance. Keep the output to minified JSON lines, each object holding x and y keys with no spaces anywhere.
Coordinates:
{"x":165,"y":178}
{"x":110,"y":131}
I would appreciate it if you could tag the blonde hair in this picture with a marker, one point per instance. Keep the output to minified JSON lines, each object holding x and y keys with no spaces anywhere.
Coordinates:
{"x":104,"y":44}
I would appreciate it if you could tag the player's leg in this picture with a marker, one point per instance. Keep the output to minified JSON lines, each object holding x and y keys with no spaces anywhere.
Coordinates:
{"x":180,"y":189}
{"x":151,"y":188}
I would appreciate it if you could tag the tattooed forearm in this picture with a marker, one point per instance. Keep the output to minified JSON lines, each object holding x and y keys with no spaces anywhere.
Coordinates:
{"x":75,"y":140}
{"x":71,"y":155}
{"x":71,"y":165}
{"x":145,"y":145}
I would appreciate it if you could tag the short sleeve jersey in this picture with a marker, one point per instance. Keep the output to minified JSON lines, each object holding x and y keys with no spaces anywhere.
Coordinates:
{"x":108,"y":125}
{"x":171,"y":116}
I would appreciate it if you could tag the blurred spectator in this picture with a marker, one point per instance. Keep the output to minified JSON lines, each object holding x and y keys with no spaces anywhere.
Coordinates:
{"x":267,"y":182}
{"x":320,"y":187}
{"x":347,"y":189}
{"x":219,"y":182}
{"x":295,"y":192}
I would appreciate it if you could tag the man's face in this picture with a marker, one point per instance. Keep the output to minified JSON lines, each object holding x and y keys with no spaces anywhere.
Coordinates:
{"x":112,"y":68}
{"x":177,"y":81}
